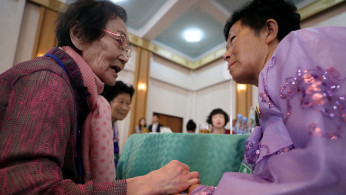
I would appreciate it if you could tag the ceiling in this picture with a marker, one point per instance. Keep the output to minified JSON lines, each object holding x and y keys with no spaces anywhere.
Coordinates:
{"x":161,"y":23}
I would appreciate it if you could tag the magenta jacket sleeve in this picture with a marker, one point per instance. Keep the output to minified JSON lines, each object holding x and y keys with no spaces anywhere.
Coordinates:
{"x":37,"y":137}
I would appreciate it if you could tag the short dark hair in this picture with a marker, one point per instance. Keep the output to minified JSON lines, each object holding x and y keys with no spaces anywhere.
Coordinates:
{"x":217,"y":111}
{"x":255,"y":14}
{"x":90,"y":16}
{"x":110,"y":92}
{"x":191,"y":126}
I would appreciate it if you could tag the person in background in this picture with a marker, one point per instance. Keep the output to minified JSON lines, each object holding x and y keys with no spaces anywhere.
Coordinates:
{"x":155,"y":125}
{"x":142,"y":126}
{"x":119,"y":97}
{"x":299,"y":147}
{"x":55,"y":128}
{"x":191,"y":126}
{"x":218,"y":119}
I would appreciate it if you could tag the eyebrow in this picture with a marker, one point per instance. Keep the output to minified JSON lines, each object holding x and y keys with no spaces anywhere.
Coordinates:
{"x":118,"y":32}
{"x":123,"y":98}
{"x":230,"y":32}
{"x":123,"y":33}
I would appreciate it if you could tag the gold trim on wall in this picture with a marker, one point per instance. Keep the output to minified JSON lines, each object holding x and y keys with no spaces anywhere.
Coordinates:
{"x":140,"y":42}
{"x":139,"y":99}
{"x":316,"y":7}
{"x":38,"y":32}
{"x":145,"y":44}
{"x":305,"y":12}
{"x":52,"y":4}
{"x":45,"y":37}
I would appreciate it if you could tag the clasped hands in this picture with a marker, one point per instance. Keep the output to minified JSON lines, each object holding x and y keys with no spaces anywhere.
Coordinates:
{"x":173,"y":178}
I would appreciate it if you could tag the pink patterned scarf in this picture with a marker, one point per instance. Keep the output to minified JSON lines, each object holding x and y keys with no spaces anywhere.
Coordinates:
{"x":97,"y":141}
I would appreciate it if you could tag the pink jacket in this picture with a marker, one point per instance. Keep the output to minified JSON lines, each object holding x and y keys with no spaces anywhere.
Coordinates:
{"x":39,"y":105}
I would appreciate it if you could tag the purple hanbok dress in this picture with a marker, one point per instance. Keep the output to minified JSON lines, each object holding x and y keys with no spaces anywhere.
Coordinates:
{"x":300,"y":146}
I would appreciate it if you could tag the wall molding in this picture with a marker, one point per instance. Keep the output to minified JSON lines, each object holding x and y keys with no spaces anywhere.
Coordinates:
{"x":305,"y":12}
{"x":55,"y":5}
{"x":317,"y":7}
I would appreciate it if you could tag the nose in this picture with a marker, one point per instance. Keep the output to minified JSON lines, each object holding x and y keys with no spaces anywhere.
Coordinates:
{"x":123,"y":57}
{"x":227,"y":55}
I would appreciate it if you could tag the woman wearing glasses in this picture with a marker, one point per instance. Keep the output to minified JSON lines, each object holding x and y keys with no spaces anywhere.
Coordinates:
{"x":55,"y":128}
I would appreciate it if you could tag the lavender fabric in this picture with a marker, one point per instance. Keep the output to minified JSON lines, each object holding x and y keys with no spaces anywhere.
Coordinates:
{"x":300,"y":146}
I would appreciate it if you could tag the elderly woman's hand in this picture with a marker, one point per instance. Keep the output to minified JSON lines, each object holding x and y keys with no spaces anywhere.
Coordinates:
{"x":172,"y":178}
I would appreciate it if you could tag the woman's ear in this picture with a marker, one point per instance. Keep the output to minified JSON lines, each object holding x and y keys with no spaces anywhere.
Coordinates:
{"x":76,"y":36}
{"x":272,"y":30}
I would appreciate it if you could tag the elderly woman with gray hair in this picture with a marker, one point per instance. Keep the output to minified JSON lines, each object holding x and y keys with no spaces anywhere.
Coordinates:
{"x":55,"y":128}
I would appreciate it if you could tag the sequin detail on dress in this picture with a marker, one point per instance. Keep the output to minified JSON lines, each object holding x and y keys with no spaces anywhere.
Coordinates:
{"x":317,"y":89}
{"x":203,"y":190}
{"x":317,"y":131}
{"x":265,"y":95}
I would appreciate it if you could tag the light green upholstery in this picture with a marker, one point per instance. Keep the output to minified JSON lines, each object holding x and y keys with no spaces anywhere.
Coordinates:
{"x":209,"y":154}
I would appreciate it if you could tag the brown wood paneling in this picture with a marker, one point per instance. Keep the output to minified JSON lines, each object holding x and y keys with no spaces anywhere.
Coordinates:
{"x":38,"y":32}
{"x":45,"y":35}
{"x":243,"y":100}
{"x":141,"y":75}
{"x":173,"y":122}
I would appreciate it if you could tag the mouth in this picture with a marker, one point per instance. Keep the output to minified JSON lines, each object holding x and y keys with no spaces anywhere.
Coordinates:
{"x":116,"y":68}
{"x":231,"y":64}
{"x":123,"y":114}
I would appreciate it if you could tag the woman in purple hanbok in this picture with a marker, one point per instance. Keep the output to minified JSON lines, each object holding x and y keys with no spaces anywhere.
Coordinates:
{"x":55,"y":129}
{"x":299,"y":147}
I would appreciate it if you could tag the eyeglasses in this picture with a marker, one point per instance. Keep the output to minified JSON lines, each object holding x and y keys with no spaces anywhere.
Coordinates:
{"x":123,"y":40}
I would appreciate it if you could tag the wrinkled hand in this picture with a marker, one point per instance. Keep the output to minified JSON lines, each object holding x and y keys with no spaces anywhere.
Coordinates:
{"x":172,"y":178}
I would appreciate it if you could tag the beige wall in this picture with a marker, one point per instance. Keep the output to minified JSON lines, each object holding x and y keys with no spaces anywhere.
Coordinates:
{"x":177,"y":91}
{"x":126,"y":76}
{"x":11,"y":14}
{"x":27,"y":33}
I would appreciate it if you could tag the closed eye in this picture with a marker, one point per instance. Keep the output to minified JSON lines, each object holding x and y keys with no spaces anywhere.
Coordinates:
{"x":117,"y":37}
{"x":232,"y":38}
{"x":119,"y":41}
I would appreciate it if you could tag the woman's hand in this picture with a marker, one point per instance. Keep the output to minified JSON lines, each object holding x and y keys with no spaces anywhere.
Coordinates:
{"x":172,"y":178}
